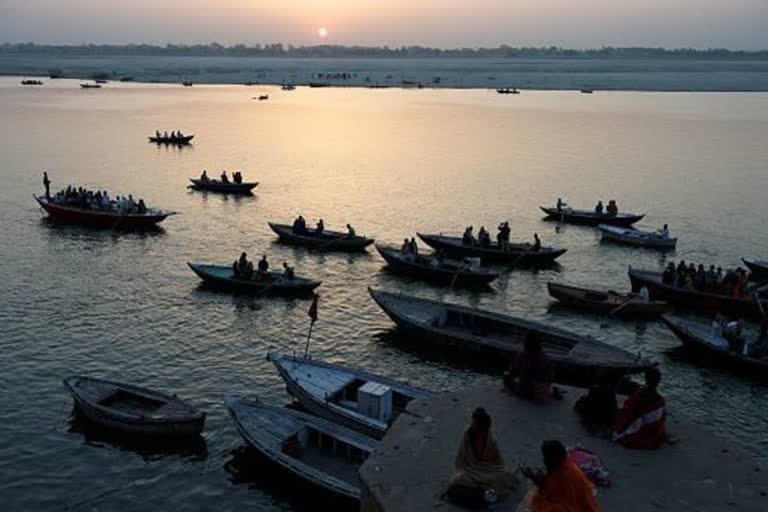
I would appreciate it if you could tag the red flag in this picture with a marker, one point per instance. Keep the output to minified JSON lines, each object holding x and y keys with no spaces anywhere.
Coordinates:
{"x":313,"y":309}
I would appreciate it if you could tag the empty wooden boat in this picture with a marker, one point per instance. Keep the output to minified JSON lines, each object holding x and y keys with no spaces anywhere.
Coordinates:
{"x":636,"y":237}
{"x":590,"y":217}
{"x":758,"y":268}
{"x":578,"y":360}
{"x":518,"y":254}
{"x":175,"y":141}
{"x":244,"y":187}
{"x":318,"y":451}
{"x":434,"y":269}
{"x":111,"y":219}
{"x":605,"y":302}
{"x":133,"y":409}
{"x":223,"y":277}
{"x":346,"y":396}
{"x":694,"y":299}
{"x":698,"y":336}
{"x":90,"y":86}
{"x":326,"y":241}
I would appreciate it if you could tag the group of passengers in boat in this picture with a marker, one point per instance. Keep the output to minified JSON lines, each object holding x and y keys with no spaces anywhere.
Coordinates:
{"x":728,"y":335}
{"x":237,"y":177}
{"x":502,"y":238}
{"x":732,"y":283}
{"x":243,"y":269}
{"x":567,"y":481}
{"x":80,"y":197}
{"x":410,"y":249}
{"x":611,"y":210}
{"x":299,"y":227}
{"x":173,"y":135}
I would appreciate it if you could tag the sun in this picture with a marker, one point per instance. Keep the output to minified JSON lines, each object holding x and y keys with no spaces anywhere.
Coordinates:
{"x":322,"y":32}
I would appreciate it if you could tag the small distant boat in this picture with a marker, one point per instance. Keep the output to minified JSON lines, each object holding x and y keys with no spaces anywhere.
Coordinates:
{"x":605,"y":302}
{"x":249,"y":83}
{"x":507,"y":90}
{"x":222,"y":277}
{"x":227,"y":188}
{"x":636,"y":237}
{"x":518,"y":254}
{"x":90,"y":86}
{"x":576,"y":359}
{"x":759,"y":268}
{"x":695,"y":299}
{"x":31,"y":82}
{"x":100,"y":81}
{"x":320,"y":452}
{"x":111,"y":219}
{"x":187,"y":83}
{"x":587,"y":91}
{"x":178,"y":141}
{"x":126,"y":79}
{"x":263,"y":97}
{"x":288,"y":87}
{"x":378,"y":86}
{"x":430,"y":268}
{"x":590,"y":217}
{"x":319,"y":84}
{"x":327,"y":241}
{"x":346,"y":396}
{"x":133,"y":409}
{"x":698,"y":336}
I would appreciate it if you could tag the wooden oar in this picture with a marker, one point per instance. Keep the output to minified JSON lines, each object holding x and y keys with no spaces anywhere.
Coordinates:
{"x":269,"y":287}
{"x":759,"y":304}
{"x":523,"y":255}
{"x":621,"y":306}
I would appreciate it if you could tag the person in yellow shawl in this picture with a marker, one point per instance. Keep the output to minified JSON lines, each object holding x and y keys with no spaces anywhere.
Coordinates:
{"x":563,"y":488}
{"x":480,"y":475}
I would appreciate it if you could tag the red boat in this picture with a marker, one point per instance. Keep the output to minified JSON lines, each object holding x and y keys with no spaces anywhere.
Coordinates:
{"x":111,"y":219}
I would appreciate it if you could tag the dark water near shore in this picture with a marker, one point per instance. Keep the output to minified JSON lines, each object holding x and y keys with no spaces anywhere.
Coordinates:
{"x":125,"y":306}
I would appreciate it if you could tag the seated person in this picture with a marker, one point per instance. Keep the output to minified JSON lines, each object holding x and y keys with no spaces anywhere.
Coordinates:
{"x":664,"y":232}
{"x":536,"y":243}
{"x":597,"y":409}
{"x":613,"y":208}
{"x":351,"y":232}
{"x":141,"y":207}
{"x":530,"y":374}
{"x":405,"y":249}
{"x":668,"y":276}
{"x":237,"y":177}
{"x":319,"y":227}
{"x":414,"y":247}
{"x":263,"y":268}
{"x":640,"y":422}
{"x":560,"y":204}
{"x":562,"y":488}
{"x":599,"y":208}
{"x":759,"y":347}
{"x":204,"y":176}
{"x":732,"y":332}
{"x":288,"y":271}
{"x":243,"y":267}
{"x":480,"y":474}
{"x":468,"y":238}
{"x":224,"y":178}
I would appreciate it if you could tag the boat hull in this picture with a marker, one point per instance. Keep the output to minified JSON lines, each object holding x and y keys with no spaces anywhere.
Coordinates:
{"x":223,"y":188}
{"x":101,"y":219}
{"x":177,"y":141}
{"x":759,"y":269}
{"x":636,"y":238}
{"x":438,"y":275}
{"x":518,"y":254}
{"x":590,"y":300}
{"x":220,"y":277}
{"x":589,"y":218}
{"x":329,"y":241}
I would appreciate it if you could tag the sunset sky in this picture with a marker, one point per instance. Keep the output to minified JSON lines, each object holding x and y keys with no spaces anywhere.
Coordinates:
{"x":736,"y":24}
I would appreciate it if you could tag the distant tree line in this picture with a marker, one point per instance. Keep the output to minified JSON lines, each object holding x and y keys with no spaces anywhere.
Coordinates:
{"x":337,"y":51}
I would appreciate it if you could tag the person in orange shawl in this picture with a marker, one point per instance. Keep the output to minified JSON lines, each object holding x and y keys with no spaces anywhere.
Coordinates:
{"x":640,"y":422}
{"x":480,"y":475}
{"x":563,"y":488}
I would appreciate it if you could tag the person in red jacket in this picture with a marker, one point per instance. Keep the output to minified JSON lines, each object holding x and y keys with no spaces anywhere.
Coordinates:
{"x":640,"y":422}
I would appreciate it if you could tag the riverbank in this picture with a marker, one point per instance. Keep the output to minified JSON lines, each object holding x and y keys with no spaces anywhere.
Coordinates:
{"x":413,"y":464}
{"x":477,"y":73}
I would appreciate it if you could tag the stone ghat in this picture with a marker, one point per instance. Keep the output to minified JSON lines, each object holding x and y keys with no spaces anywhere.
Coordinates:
{"x":414,"y":462}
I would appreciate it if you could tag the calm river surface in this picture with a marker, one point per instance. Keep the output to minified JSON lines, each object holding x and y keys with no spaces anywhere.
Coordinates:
{"x":391,"y":162}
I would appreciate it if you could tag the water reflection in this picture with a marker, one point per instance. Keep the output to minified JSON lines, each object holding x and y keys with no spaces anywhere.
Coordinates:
{"x":88,"y":233}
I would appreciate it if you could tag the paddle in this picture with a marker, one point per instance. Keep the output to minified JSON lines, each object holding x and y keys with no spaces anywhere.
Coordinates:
{"x":621,"y":306}
{"x":759,"y":303}
{"x":523,"y":255}
{"x":269,"y":287}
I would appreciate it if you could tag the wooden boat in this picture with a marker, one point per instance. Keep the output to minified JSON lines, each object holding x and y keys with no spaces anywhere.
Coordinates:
{"x":342,"y":395}
{"x":605,"y":302}
{"x":694,"y":299}
{"x":507,"y":90}
{"x":430,"y":268}
{"x":589,"y":217}
{"x":318,"y":84}
{"x":320,"y":452}
{"x":222,"y":276}
{"x":758,"y":268}
{"x":100,"y":81}
{"x":636,"y":237}
{"x":327,"y":241}
{"x":231,"y":187}
{"x":518,"y":254}
{"x":126,"y":79}
{"x":263,"y":97}
{"x":698,"y":335}
{"x":90,"y":86}
{"x":187,"y":83}
{"x":31,"y":82}
{"x":179,"y":141}
{"x":587,"y":91}
{"x":133,"y":409}
{"x":578,"y":360}
{"x":111,"y":219}
{"x":288,"y":87}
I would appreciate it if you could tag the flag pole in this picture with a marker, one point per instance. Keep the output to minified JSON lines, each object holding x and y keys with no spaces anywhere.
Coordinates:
{"x":309,"y":335}
{"x":313,"y":318}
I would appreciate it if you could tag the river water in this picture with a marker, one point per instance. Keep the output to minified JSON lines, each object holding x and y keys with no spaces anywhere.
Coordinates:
{"x":391,"y":162}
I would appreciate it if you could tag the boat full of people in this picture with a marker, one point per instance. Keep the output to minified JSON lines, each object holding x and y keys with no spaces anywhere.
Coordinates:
{"x":609,"y":215}
{"x":31,"y":82}
{"x":87,"y":85}
{"x":501,"y":251}
{"x":242,"y":277}
{"x":659,"y":239}
{"x":434,"y":267}
{"x":175,"y":138}
{"x":320,"y":238}
{"x":78,"y":205}
{"x":500,"y":338}
{"x":694,"y":287}
{"x":236,"y":185}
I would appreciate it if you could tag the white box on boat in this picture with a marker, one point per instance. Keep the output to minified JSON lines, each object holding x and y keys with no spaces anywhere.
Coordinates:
{"x":375,"y":401}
